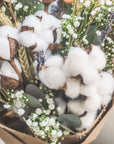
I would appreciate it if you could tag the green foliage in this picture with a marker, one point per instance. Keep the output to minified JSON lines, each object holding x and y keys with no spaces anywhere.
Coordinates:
{"x":70,"y":120}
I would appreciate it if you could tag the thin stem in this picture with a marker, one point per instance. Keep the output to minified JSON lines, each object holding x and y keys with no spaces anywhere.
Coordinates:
{"x":64,"y":127}
{"x":12,"y":13}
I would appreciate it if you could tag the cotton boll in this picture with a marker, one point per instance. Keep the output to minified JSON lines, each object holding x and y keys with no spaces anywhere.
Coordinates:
{"x":62,"y":104}
{"x":87,"y":120}
{"x":45,"y":19}
{"x":106,"y":84}
{"x":9,"y":31}
{"x":54,"y":61}
{"x":76,"y":107}
{"x":55,"y":22}
{"x":72,"y":88}
{"x":33,"y":21}
{"x":93,"y":103}
{"x":27,"y":38}
{"x":66,"y":68}
{"x":52,"y":77}
{"x":48,"y":36}
{"x":97,"y":58}
{"x":42,"y":45}
{"x":88,"y":90}
{"x":8,"y":70}
{"x":90,"y":75}
{"x":78,"y":60}
{"x":4,"y":48}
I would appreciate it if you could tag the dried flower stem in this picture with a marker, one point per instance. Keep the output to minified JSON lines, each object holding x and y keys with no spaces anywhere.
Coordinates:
{"x":12,"y":13}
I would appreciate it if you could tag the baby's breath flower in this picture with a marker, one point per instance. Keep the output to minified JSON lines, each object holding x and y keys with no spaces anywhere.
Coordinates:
{"x":98,"y":33}
{"x":87,"y":3}
{"x":50,"y":101}
{"x":18,"y":104}
{"x":34,"y":116}
{"x":19,"y":94}
{"x":6,"y":106}
{"x":65,"y":16}
{"x":76,"y":23}
{"x":26,"y":8}
{"x":51,"y":106}
{"x":29,"y":122}
{"x":35,"y":124}
{"x":38,"y":111}
{"x":75,"y":35}
{"x":20,"y":111}
{"x":18,"y":6}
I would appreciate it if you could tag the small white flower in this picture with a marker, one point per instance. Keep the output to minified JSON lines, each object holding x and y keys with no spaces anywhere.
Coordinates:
{"x":67,"y":43}
{"x":7,"y":106}
{"x":68,"y":26}
{"x":19,"y":94}
{"x":76,"y":23}
{"x":41,"y":132}
{"x":109,"y":39}
{"x":71,"y":31}
{"x":59,"y":133}
{"x":52,"y":122}
{"x":75,"y":35}
{"x":12,"y":95}
{"x":65,"y":16}
{"x":43,"y":123}
{"x":51,"y":106}
{"x":50,"y":101}
{"x":59,"y":109}
{"x":108,"y":2}
{"x":93,"y":12}
{"x":3,"y":8}
{"x":20,"y":111}
{"x":38,"y":111}
{"x":47,"y":112}
{"x":34,"y":116}
{"x":26,"y":8}
{"x":34,"y":124}
{"x":29,"y":122}
{"x":98,"y":33}
{"x":18,"y":6}
{"x":40,"y":100}
{"x":13,"y":1}
{"x":47,"y":128}
{"x":101,"y":2}
{"x":87,"y":3}
{"x":18,"y":104}
{"x":54,"y":133}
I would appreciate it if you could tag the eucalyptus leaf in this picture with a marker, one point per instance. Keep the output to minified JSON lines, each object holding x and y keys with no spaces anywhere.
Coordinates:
{"x":70,"y":120}
{"x":33,"y":102}
{"x":35,"y":92}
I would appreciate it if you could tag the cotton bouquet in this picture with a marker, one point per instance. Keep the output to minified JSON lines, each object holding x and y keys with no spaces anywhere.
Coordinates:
{"x":56,"y":65}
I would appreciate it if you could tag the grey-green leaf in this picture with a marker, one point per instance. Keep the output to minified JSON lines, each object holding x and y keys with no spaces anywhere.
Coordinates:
{"x":70,"y":120}
{"x":33,"y":102}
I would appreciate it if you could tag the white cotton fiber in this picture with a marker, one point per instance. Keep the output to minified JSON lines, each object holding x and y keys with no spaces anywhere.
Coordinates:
{"x":97,"y":58}
{"x":35,"y":66}
{"x":106,"y":84}
{"x":9,"y":71}
{"x":48,"y":36}
{"x":105,"y":99}
{"x":88,"y":90}
{"x":33,"y":21}
{"x":78,"y":60}
{"x":18,"y":65}
{"x":87,"y":121}
{"x":52,"y":77}
{"x":55,"y":22}
{"x":76,"y":107}
{"x":90,"y":75}
{"x":72,"y":88}
{"x":27,"y":38}
{"x":93,"y":103}
{"x":9,"y":31}
{"x":45,"y":21}
{"x":42,"y":45}
{"x":48,"y":54}
{"x":61,"y":103}
{"x":4,"y":48}
{"x":54,"y":61}
{"x":59,"y":33}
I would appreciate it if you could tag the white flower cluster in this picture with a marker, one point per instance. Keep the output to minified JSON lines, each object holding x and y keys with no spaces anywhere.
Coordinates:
{"x":18,"y":103}
{"x":95,"y":85}
{"x":44,"y":125}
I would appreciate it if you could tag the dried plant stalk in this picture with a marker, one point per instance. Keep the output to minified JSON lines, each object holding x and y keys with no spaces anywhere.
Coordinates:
{"x":4,"y":19}
{"x":25,"y":63}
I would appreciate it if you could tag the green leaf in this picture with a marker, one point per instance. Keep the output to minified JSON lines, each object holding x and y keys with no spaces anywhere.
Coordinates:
{"x":33,"y":102}
{"x":70,"y":120}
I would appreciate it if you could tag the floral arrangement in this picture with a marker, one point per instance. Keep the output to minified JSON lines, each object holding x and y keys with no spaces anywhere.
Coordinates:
{"x":56,"y":63}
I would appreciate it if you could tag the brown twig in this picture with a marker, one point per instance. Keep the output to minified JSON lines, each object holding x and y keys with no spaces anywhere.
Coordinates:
{"x":12,"y":13}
